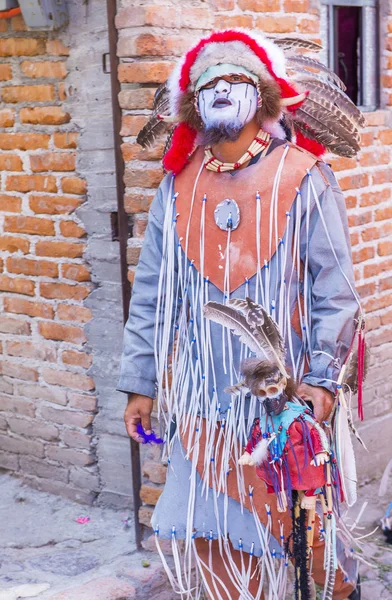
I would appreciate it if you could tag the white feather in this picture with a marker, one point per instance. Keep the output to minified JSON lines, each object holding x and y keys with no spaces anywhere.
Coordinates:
{"x":260,"y":452}
{"x":346,"y":457}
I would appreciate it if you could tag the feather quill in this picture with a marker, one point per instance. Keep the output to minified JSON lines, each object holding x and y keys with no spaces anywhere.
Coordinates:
{"x":288,"y":43}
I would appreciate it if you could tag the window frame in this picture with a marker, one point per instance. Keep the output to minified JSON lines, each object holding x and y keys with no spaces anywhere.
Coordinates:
{"x":370,"y":70}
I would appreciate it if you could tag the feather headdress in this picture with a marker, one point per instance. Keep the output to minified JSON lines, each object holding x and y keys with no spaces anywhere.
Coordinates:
{"x":311,"y":97}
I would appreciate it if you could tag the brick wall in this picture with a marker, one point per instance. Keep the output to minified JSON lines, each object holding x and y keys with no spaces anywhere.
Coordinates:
{"x":151,"y":36}
{"x":61,"y":425}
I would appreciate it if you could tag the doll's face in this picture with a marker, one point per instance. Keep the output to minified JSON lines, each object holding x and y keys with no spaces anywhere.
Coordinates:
{"x":228,"y":100}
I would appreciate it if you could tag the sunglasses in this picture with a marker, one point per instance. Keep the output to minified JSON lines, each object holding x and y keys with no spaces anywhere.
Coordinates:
{"x":235,"y":78}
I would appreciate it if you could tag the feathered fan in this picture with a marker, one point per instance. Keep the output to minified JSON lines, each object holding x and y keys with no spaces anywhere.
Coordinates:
{"x":265,"y":376}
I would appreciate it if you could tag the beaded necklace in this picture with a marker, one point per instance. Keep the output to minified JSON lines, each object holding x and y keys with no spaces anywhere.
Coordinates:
{"x":260,"y":144}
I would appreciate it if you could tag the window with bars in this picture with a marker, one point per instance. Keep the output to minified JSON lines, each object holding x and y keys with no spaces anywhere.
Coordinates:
{"x":350,"y":38}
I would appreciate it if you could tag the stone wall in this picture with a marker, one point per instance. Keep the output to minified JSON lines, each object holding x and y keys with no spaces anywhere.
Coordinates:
{"x":61,"y":323}
{"x":152,"y":34}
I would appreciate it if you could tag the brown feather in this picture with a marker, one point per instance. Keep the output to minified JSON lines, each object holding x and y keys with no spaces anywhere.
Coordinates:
{"x":155,"y":126}
{"x":312,"y":63}
{"x":288,"y":43}
{"x":335,"y":95}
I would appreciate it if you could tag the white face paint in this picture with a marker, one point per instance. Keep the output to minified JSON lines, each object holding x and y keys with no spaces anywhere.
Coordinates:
{"x":227,"y":102}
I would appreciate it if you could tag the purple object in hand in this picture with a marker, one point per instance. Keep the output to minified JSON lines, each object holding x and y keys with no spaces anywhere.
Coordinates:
{"x":148,"y":439}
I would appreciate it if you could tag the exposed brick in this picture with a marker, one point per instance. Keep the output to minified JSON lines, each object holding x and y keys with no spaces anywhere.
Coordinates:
{"x":36,"y":268}
{"x":282,"y":24}
{"x":53,"y":161}
{"x":70,"y":312}
{"x":132,"y":124}
{"x":69,"y":456}
{"x":27,"y":307}
{"x":363,"y":254}
{"x":379,"y":157}
{"x":19,"y":371}
{"x":376,"y":118}
{"x":51,"y":69}
{"x":372,"y":198}
{"x":360,"y":218}
{"x":383,"y":213}
{"x":299,"y":6}
{"x":30,"y":225}
{"x":3,"y":25}
{"x":16,"y":405}
{"x":377,"y":302}
{"x":62,"y":91}
{"x":28,"y":93}
{"x":135,"y":15}
{"x":223,"y":4}
{"x":76,"y":439}
{"x":56,"y":48}
{"x":53,"y":205}
{"x":145,"y":514}
{"x":145,"y":178}
{"x":7,"y":117}
{"x":35,"y":429}
{"x":229,"y":21}
{"x":18,"y":23}
{"x":136,"y":203}
{"x":15,"y":326}
{"x":72,"y":229}
{"x":31,"y":183}
{"x":44,"y":115}
{"x":79,"y":359}
{"x":60,"y":249}
{"x":376,"y":268}
{"x":60,"y":416}
{"x":356,"y":181}
{"x":259,"y":5}
{"x":136,"y":152}
{"x":385,"y":284}
{"x":82,"y":402}
{"x":150,"y":494}
{"x":147,"y":44}
{"x":41,"y":468}
{"x":9,"y":461}
{"x":5,"y":72}
{"x":21,"y":446}
{"x":23,"y":141}
{"x":10,"y":203}
{"x":367,"y":139}
{"x":67,"y":140}
{"x":22,"y":46}
{"x":308,"y":26}
{"x":68,"y":379}
{"x":73,"y":185}
{"x":40,"y":392}
{"x":137,"y":98}
{"x":351,"y":201}
{"x":14,"y":244}
{"x":341,"y":163}
{"x":384,"y":248}
{"x":75,"y":272}
{"x":133,"y":254}
{"x":17,"y":285}
{"x":382,"y":176}
{"x":56,"y":331}
{"x":155,"y":471}
{"x":372,"y":233}
{"x":31,"y":350}
{"x":63,"y":291}
{"x":366,"y":290}
{"x":385,"y":136}
{"x":145,"y":72}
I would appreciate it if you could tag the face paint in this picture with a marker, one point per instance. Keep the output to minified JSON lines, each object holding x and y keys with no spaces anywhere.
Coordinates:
{"x":227,"y":103}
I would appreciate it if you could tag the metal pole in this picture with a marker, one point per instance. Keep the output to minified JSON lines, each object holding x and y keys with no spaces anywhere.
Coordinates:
{"x":122,"y":232}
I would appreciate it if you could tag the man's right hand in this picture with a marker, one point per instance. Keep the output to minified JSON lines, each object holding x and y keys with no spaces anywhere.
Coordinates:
{"x":138,"y":410}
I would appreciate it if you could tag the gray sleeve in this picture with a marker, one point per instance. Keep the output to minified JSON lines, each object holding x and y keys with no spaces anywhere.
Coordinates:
{"x":137,"y":372}
{"x":332,"y":296}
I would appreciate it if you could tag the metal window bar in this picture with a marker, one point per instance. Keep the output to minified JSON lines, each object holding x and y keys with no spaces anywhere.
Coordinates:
{"x":369,"y":76}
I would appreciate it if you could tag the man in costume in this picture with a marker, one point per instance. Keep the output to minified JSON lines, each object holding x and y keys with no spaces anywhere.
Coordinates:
{"x":247,"y":210}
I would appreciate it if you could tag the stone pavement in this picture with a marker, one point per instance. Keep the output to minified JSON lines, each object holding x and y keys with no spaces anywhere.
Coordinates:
{"x":42,"y":543}
{"x":46,"y":553}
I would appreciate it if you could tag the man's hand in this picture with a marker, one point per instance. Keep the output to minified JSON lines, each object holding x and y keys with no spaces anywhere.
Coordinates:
{"x":138,"y":410}
{"x":321,"y":398}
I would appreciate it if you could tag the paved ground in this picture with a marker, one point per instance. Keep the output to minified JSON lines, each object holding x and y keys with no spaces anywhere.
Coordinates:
{"x":44,"y":551}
